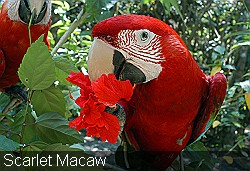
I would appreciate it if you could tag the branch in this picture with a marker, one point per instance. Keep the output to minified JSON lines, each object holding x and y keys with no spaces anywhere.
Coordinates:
{"x":238,"y":142}
{"x":81,"y":16}
{"x":11,"y":105}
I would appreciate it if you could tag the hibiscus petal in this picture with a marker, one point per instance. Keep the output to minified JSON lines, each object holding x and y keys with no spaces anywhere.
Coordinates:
{"x":93,"y":131}
{"x":91,"y":110}
{"x":79,"y":79}
{"x":111,"y":129}
{"x":80,"y":101}
{"x":107,"y":128}
{"x":109,"y":90}
{"x":77,"y":123}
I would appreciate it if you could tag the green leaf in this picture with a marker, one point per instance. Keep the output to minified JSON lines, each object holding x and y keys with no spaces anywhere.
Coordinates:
{"x":30,"y":131}
{"x":96,"y":5}
{"x":228,"y":159}
{"x":8,"y":144}
{"x":6,"y":116}
{"x":49,"y":100}
{"x":176,"y":5}
{"x":59,"y":3}
{"x":245,"y":85}
{"x":98,"y":18}
{"x":36,"y":146}
{"x":4,"y":100}
{"x":168,"y":3}
{"x":63,"y":68}
{"x":37,"y":70}
{"x":245,"y":32}
{"x":237,"y":124}
{"x":241,"y":44}
{"x":197,"y":146}
{"x":53,"y":128}
{"x":147,"y":1}
{"x":95,"y":8}
{"x":220,"y":49}
{"x":16,"y":126}
{"x":231,"y":67}
{"x":199,"y":156}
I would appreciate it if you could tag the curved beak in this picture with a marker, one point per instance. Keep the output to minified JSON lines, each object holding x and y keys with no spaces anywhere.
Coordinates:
{"x":35,"y":9}
{"x":100,"y":59}
{"x":105,"y":59}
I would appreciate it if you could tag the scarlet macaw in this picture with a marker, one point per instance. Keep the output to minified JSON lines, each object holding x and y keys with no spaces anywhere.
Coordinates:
{"x":173,"y":99}
{"x":14,"y":36}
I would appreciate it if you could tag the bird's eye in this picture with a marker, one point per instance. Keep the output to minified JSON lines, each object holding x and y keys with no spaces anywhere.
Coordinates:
{"x":144,"y":36}
{"x":108,"y":38}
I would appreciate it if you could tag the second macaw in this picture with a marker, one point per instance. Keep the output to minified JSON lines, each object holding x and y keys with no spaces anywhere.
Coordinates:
{"x":14,"y":36}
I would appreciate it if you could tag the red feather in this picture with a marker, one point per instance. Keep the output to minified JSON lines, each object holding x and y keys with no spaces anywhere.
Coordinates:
{"x":2,"y":63}
{"x":211,"y":105}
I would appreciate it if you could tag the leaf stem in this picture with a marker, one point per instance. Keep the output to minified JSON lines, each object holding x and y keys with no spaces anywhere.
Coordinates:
{"x":13,"y":132}
{"x":245,"y":5}
{"x":30,"y":23}
{"x":25,"y":116}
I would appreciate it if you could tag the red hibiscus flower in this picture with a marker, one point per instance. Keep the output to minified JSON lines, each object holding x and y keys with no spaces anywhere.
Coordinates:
{"x":109,"y":90}
{"x":79,"y":79}
{"x":94,"y":97}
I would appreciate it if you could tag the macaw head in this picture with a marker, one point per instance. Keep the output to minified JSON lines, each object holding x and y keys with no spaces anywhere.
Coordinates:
{"x":23,"y":10}
{"x":133,"y":47}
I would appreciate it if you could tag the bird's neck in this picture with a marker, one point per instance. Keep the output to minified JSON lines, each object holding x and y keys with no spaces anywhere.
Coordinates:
{"x":175,"y":95}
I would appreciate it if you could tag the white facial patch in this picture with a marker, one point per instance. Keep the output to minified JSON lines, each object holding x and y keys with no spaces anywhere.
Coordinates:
{"x":13,"y":6}
{"x":142,"y":48}
{"x":100,"y":59}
